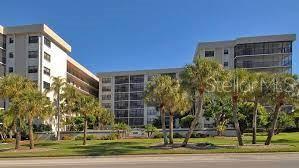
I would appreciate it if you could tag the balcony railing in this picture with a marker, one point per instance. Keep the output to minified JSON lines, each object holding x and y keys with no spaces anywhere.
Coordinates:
{"x":263,"y":64}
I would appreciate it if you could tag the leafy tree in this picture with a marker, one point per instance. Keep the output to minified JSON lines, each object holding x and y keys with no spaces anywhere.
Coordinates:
{"x":283,"y":90}
{"x":150,"y":129}
{"x":121,"y":129}
{"x":285,"y":120}
{"x":219,"y":108}
{"x":178,"y":103}
{"x":238,"y":87}
{"x":105,"y":118}
{"x":157,"y":92}
{"x":199,"y":78}
{"x":32,"y":104}
{"x":12,"y":87}
{"x":58,"y":83}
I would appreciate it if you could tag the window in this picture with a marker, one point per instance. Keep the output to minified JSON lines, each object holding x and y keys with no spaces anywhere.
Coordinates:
{"x":10,"y":54}
{"x":47,"y":56}
{"x":32,"y":69}
{"x":46,"y":85}
{"x":106,"y":97}
{"x":106,"y":88}
{"x":10,"y":69}
{"x":33,"y":39}
{"x":225,"y":51}
{"x":47,"y":42}
{"x":106,"y":105}
{"x":32,"y":54}
{"x":106,"y":80}
{"x":11,"y":40}
{"x":225,"y":64}
{"x":121,"y":79}
{"x":209,"y":53}
{"x":47,"y":71}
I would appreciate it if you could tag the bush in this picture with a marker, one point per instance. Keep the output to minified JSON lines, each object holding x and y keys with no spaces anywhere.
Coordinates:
{"x":158,"y":135}
{"x":92,"y":137}
{"x":198,"y":135}
{"x":8,"y":140}
{"x":67,"y":137}
{"x":177,"y":135}
{"x":112,"y":136}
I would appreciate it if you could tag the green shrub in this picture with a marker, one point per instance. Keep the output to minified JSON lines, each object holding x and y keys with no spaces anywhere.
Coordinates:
{"x":177,"y":135}
{"x":79,"y":137}
{"x":8,"y":140}
{"x":158,"y":135}
{"x":112,"y":136}
{"x":67,"y":137}
{"x":88,"y":137}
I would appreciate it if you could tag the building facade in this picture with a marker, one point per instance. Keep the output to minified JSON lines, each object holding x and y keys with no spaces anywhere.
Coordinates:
{"x":261,"y":53}
{"x":38,"y":53}
{"x":122,"y":92}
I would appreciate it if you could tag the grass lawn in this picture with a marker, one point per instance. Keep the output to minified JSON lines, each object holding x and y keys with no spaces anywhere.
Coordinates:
{"x":284,"y":142}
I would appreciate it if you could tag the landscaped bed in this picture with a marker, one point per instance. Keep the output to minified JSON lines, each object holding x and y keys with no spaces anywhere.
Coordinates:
{"x":284,"y":142}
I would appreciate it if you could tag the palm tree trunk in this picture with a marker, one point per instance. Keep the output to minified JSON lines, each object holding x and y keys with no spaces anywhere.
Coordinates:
{"x":163,"y":125}
{"x":235,"y":118}
{"x":31,"y":133}
{"x":171,"y":128}
{"x":58,"y":116}
{"x":85,"y":130}
{"x":254,"y":119}
{"x":18,"y":134}
{"x":198,"y":114}
{"x":273,"y":124}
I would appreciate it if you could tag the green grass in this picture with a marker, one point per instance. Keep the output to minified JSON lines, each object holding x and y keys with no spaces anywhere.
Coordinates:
{"x":284,"y":142}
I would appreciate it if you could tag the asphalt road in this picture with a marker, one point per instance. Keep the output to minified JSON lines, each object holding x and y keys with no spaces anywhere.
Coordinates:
{"x":276,"y":160}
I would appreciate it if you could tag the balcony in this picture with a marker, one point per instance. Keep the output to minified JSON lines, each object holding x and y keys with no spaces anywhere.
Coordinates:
{"x":268,"y":64}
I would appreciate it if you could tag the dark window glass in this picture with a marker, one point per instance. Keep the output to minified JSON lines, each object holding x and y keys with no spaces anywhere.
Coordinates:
{"x":136,"y":96}
{"x":136,"y":104}
{"x":46,"y":85}
{"x":47,"y":42}
{"x":136,"y":121}
{"x":11,"y":40}
{"x":106,"y":97}
{"x":121,"y":105}
{"x":121,"y":113}
{"x":137,"y":113}
{"x":106,"y":80}
{"x":121,"y":79}
{"x":122,"y":88}
{"x":225,"y":51}
{"x":121,"y":96}
{"x":136,"y":87}
{"x":225,"y":64}
{"x":106,"y":88}
{"x":47,"y":57}
{"x":137,"y":79}
{"x":122,"y":120}
{"x":11,"y":55}
{"x":10,"y":69}
{"x":33,"y":39}
{"x":32,"y":54}
{"x":32,"y":69}
{"x":106,"y":105}
{"x":47,"y":71}
{"x":209,"y":53}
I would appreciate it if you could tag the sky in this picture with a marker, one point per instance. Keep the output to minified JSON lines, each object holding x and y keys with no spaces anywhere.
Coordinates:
{"x":116,"y":35}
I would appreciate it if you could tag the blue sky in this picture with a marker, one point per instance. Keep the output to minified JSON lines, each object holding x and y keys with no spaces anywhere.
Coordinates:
{"x":109,"y":35}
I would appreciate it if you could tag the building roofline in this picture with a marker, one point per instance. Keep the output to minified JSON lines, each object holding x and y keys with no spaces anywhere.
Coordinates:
{"x":81,"y":67}
{"x":38,"y":28}
{"x":136,"y":72}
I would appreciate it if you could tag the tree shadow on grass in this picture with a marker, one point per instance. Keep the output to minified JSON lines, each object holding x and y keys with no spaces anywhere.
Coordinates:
{"x":108,"y":148}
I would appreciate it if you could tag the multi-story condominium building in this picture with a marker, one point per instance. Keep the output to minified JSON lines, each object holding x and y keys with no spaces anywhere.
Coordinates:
{"x":261,"y":53}
{"x":123,"y":92}
{"x":2,"y":59}
{"x":38,"y":53}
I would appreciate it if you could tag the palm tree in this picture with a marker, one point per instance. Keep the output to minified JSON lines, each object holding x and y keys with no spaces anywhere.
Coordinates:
{"x":157,"y":92}
{"x":239,"y":87}
{"x":58,"y":83}
{"x":35,"y":105}
{"x":284,"y":90}
{"x":179,"y":102}
{"x":11,"y":87}
{"x":87,"y":105}
{"x":199,"y":78}
{"x":105,"y":117}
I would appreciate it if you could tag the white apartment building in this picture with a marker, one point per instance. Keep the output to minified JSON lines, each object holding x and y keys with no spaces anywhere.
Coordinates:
{"x":261,"y":53}
{"x":38,"y":53}
{"x":123,"y":91}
